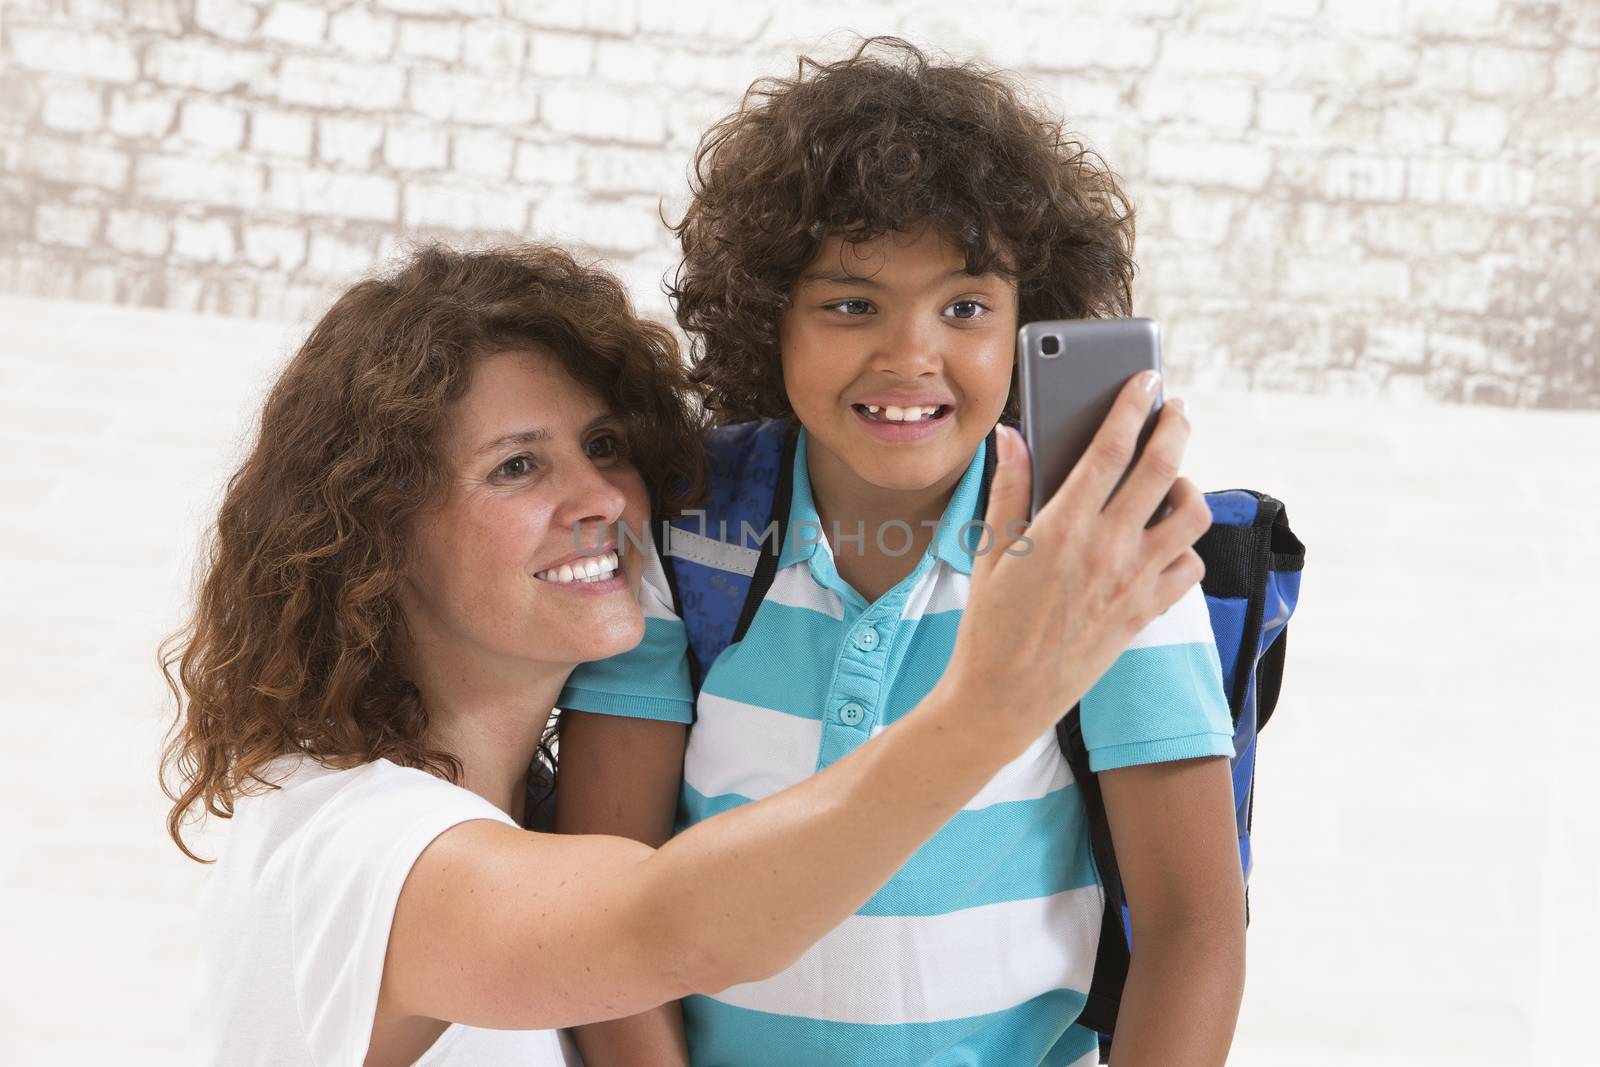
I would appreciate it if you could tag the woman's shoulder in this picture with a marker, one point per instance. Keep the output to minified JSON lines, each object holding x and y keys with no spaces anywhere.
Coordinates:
{"x":301,"y":902}
{"x":313,"y":809}
{"x":303,"y":780}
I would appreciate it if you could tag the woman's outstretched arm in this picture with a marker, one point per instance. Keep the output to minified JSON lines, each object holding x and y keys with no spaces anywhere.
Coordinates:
{"x":497,"y":927}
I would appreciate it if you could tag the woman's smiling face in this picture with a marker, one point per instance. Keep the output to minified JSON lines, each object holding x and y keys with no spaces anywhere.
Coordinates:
{"x":538,"y":481}
{"x":896,"y":360}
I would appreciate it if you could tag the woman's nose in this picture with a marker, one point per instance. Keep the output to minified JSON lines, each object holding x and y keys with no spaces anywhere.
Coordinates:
{"x":592,"y":505}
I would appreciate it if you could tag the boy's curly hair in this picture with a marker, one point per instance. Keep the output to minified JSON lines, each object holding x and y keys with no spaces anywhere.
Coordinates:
{"x":885,"y":140}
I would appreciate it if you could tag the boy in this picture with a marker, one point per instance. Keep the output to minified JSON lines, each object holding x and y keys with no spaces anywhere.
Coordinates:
{"x":863,"y":241}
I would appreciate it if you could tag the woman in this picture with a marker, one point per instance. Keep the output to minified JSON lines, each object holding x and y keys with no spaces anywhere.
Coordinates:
{"x":425,"y":539}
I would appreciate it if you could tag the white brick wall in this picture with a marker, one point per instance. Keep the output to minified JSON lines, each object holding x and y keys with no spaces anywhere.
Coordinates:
{"x":1413,"y":759}
{"x":1432,"y":166}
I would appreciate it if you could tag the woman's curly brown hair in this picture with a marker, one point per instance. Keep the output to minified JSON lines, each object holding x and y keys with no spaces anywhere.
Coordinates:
{"x":289,"y":649}
{"x":885,"y":140}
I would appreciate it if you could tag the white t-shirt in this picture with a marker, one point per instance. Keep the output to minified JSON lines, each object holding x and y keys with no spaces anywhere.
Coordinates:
{"x":296,"y":915}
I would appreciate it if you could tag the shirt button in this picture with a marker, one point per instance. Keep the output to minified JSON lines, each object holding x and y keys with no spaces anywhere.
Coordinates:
{"x":867,"y":640}
{"x":851,"y":714}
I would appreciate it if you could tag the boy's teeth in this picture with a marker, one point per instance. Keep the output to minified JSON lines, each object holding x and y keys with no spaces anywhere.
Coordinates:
{"x":891,"y":413}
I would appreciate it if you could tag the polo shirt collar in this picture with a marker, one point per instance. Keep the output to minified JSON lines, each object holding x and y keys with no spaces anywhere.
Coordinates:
{"x":802,"y":510}
{"x":947,"y":543}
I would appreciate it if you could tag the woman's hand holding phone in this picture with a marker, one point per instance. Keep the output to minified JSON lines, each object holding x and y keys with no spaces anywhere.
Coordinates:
{"x":1052,"y":607}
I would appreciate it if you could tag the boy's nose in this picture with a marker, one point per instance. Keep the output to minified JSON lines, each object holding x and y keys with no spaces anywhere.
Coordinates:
{"x":910,"y":349}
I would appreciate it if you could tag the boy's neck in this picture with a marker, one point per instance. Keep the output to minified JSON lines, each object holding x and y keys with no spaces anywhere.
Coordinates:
{"x":847,"y":503}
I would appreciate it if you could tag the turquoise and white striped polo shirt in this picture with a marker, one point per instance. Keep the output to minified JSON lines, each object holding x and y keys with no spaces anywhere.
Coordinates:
{"x":980,"y":949}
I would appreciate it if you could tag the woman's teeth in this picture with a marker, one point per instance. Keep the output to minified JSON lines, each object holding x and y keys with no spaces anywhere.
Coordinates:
{"x":593,"y":569}
{"x":890,"y":413}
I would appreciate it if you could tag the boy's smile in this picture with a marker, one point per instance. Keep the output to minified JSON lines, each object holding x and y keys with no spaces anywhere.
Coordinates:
{"x":897,"y":362}
{"x":899,"y":418}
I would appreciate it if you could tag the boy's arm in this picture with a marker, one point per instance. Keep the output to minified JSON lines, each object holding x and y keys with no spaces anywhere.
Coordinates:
{"x":623,"y":732}
{"x":1158,"y":731}
{"x":1172,"y":825}
{"x":620,"y":776}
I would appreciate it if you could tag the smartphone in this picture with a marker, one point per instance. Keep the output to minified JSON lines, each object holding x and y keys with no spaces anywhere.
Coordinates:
{"x":1071,"y":372}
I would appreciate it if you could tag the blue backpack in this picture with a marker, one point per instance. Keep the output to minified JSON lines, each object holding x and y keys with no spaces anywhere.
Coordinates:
{"x":720,"y":562}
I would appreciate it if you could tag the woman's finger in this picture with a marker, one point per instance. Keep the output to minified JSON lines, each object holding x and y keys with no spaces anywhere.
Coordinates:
{"x":1187,"y":522}
{"x":1152,"y":476}
{"x":1007,"y":513}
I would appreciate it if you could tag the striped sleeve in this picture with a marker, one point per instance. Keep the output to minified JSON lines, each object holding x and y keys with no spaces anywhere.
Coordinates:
{"x":650,"y":680}
{"x":1162,"y":699}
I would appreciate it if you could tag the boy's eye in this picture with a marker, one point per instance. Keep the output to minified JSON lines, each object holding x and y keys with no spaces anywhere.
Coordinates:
{"x":853,"y":307}
{"x":966,"y":309}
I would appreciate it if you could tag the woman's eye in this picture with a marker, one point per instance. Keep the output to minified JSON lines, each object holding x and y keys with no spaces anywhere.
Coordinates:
{"x":966,"y":309}
{"x":515,"y":467}
{"x":853,"y":307}
{"x":605,"y":447}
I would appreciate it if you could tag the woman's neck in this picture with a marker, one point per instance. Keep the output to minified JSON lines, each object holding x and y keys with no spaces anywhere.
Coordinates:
{"x":492,"y":723}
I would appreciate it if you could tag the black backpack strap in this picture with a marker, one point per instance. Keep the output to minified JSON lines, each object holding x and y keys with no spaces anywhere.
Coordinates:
{"x":990,"y":461}
{"x":1112,"y":957}
{"x":1288,"y":554}
{"x":1269,"y":679}
{"x":767,"y":566}
{"x":1238,"y":561}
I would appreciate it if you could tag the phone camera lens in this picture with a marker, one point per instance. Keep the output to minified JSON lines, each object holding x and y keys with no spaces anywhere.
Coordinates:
{"x":1050,"y":345}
